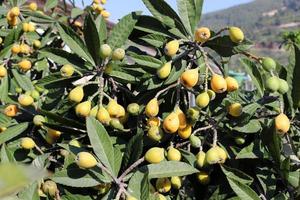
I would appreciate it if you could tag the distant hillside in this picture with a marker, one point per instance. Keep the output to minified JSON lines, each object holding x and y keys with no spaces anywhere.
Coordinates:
{"x":262,"y":20}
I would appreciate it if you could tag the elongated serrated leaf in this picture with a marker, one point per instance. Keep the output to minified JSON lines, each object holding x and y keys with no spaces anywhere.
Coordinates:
{"x":243,"y":191}
{"x":102,"y":29}
{"x":272,"y":141}
{"x":75,"y":177}
{"x":4,"y":89}
{"x":100,"y":142}
{"x":150,"y":24}
{"x":91,"y":38}
{"x":50,"y":4}
{"x":124,"y":77}
{"x":134,"y":149}
{"x":267,"y":181}
{"x":122,"y":30}
{"x":237,"y":175}
{"x":255,"y":75}
{"x":184,"y":10}
{"x":293,"y":75}
{"x":29,"y":193}
{"x":23,"y":81}
{"x":62,"y":57}
{"x":6,"y":155}
{"x":164,"y":13}
{"x":74,"y":42}
{"x":155,"y":40}
{"x":139,"y":185}
{"x":76,"y":12}
{"x":13,"y":36}
{"x":22,"y":177}
{"x":294,"y":178}
{"x":147,"y":61}
{"x":253,"y":126}
{"x":168,"y":169}
{"x":190,"y":12}
{"x":253,"y":150}
{"x":62,"y":120}
{"x":12,"y":132}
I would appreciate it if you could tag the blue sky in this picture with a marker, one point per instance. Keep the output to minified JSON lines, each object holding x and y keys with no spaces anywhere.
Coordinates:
{"x":119,"y":8}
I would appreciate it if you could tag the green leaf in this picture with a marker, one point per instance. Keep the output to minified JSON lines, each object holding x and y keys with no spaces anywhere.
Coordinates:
{"x":14,"y":35}
{"x":149,"y":24}
{"x":237,"y":175}
{"x":134,"y":149}
{"x":183,"y":9}
{"x":124,"y":77}
{"x":155,"y":40}
{"x":272,"y":141}
{"x":63,"y":120}
{"x":76,"y":12}
{"x":255,"y":74}
{"x":253,"y":126}
{"x":75,"y":177}
{"x":293,"y":75}
{"x":102,"y":29}
{"x":121,"y":31}
{"x":50,"y":4}
{"x":6,"y":155}
{"x":23,"y":81}
{"x":139,"y":185}
{"x":91,"y":38}
{"x":70,"y":196}
{"x":38,"y":17}
{"x":188,"y":156}
{"x":243,"y":191}
{"x":74,"y":42}
{"x":22,"y":176}
{"x":190,"y":12}
{"x":294,"y":178}
{"x":4,"y":89}
{"x":267,"y":181}
{"x":29,"y":193}
{"x":168,"y":169}
{"x":62,"y":57}
{"x":164,"y":13}
{"x":100,"y":142}
{"x":146,"y":61}
{"x":253,"y":150}
{"x":12,"y":132}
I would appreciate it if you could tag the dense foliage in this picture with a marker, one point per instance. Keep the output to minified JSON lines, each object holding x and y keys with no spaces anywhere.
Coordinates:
{"x":146,"y":110}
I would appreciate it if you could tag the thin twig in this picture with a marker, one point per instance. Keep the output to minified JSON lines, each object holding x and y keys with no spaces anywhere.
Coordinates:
{"x":202,"y":129}
{"x":167,"y":88}
{"x":129,"y":169}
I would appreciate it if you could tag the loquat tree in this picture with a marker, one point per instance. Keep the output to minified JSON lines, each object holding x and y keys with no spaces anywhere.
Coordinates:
{"x":145,"y":109}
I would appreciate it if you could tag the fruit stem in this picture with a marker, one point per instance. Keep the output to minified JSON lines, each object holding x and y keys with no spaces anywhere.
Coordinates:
{"x":103,"y":168}
{"x":281,"y":105}
{"x":78,"y":72}
{"x":39,"y":149}
{"x":202,"y":129}
{"x":130,"y":168}
{"x":167,"y":88}
{"x":94,"y":95}
{"x":206,"y":79}
{"x":251,"y":56}
{"x":101,"y":93}
{"x":215,"y":138}
{"x":219,"y":33}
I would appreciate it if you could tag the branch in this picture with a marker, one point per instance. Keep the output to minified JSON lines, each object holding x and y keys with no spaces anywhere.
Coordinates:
{"x":167,"y":88}
{"x":129,"y":169}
